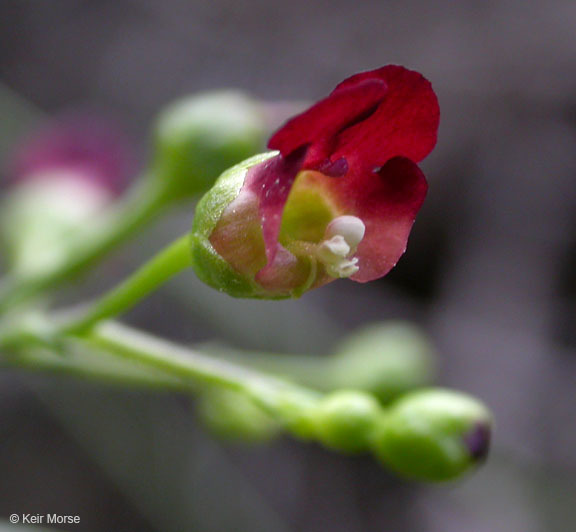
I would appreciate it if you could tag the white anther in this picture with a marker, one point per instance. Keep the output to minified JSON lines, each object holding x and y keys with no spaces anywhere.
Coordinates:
{"x":349,"y":227}
{"x":342,"y":237}
{"x":334,"y":250}
{"x":343,"y":269}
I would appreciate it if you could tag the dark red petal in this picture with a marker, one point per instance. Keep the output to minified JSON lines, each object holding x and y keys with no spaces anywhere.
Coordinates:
{"x":388,"y":205}
{"x":405,"y":123}
{"x":271,"y":182}
{"x":321,"y":123}
{"x":387,"y":202}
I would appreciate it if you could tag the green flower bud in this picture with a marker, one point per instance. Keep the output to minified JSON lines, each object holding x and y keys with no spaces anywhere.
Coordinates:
{"x":433,"y":435}
{"x":345,"y":420}
{"x":386,"y":359}
{"x":234,"y":416}
{"x":199,"y":137}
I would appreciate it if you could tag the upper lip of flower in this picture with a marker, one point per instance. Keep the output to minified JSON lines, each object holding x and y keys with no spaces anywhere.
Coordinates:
{"x":371,"y":130}
{"x":320,"y":128}
{"x":367,"y":119}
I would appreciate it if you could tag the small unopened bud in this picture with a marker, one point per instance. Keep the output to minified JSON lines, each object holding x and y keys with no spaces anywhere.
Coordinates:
{"x":345,"y":420}
{"x":433,"y":435}
{"x":386,"y":359}
{"x":234,"y":416}
{"x":199,"y":137}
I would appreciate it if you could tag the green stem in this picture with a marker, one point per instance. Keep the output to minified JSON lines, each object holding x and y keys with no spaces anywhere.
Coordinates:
{"x":182,"y":362}
{"x":114,"y":353}
{"x":145,"y":202}
{"x":94,"y":366}
{"x":135,"y":351}
{"x":309,"y":370}
{"x":432,"y":425}
{"x":165,"y":265}
{"x":286,"y":401}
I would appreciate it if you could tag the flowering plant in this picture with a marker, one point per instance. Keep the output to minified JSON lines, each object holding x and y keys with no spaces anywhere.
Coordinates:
{"x":336,"y":198}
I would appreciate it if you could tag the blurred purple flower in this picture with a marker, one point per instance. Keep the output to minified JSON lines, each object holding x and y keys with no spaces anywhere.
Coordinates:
{"x":84,"y":145}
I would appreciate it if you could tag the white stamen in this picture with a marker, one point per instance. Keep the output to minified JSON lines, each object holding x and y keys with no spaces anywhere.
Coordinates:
{"x":334,"y":250}
{"x":350,"y":227}
{"x":343,"y":235}
{"x":344,"y":269}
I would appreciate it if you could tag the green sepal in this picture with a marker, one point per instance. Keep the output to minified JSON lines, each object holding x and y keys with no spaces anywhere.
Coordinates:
{"x":210,"y":267}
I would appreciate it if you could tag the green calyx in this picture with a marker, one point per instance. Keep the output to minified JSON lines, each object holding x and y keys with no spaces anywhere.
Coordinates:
{"x":229,"y":252}
{"x":433,"y":435}
{"x":199,"y":137}
{"x":211,"y":267}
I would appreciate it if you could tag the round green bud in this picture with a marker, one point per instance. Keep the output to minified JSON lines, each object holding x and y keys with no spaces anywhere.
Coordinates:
{"x":433,"y":435}
{"x":235,"y":416}
{"x":199,"y":137}
{"x":345,"y":420}
{"x":386,"y":359}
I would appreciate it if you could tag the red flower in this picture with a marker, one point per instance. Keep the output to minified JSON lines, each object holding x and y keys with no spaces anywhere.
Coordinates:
{"x":344,"y":189}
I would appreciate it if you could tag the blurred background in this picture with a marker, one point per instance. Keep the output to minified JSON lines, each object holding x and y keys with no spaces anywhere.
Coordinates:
{"x":490,"y":271}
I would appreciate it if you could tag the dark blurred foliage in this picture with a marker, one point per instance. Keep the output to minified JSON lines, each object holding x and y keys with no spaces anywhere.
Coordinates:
{"x":490,"y":270}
